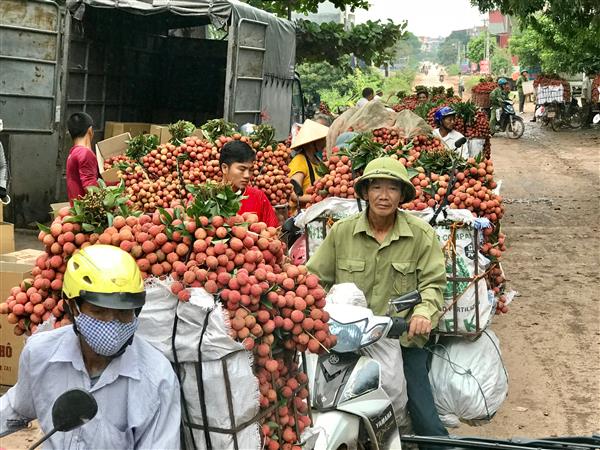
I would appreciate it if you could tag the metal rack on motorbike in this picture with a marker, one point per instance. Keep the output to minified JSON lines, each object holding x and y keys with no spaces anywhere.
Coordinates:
{"x":454,"y":279}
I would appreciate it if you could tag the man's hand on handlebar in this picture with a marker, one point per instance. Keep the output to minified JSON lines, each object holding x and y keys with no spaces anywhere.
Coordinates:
{"x":419,"y":325}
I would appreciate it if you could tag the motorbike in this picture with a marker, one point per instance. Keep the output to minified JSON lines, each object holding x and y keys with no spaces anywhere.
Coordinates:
{"x":509,"y":121}
{"x":347,"y":398}
{"x":70,"y":410}
{"x":559,"y":115}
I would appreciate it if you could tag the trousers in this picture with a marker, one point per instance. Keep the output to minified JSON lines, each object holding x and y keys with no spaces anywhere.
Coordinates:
{"x":421,"y":407}
{"x":521,"y":102}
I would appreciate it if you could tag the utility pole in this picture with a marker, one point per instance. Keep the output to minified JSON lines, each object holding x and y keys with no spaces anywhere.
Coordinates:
{"x":487,"y":45}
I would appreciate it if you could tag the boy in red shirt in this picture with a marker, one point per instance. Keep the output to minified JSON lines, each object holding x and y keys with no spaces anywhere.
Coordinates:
{"x":236,"y":161}
{"x":82,"y":166}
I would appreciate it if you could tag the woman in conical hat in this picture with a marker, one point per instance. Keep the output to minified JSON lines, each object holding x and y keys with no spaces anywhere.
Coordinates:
{"x":309,"y":144}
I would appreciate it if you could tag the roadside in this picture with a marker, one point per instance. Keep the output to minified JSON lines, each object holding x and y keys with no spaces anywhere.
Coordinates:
{"x":551,"y":337}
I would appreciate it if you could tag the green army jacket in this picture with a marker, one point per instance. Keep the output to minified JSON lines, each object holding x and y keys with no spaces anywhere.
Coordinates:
{"x":497,"y":96}
{"x":409,"y":258}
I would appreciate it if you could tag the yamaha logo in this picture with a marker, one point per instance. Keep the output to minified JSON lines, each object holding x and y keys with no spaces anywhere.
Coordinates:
{"x":334,"y":359}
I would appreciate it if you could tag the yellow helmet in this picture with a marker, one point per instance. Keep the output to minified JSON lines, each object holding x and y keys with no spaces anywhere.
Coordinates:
{"x":105,"y":276}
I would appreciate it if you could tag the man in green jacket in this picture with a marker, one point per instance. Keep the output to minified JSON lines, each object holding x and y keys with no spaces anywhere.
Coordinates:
{"x":522,"y":79}
{"x":387,"y":252}
{"x":497,"y":97}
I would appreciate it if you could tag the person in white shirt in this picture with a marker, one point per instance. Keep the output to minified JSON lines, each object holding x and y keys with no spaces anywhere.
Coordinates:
{"x":445,"y":118}
{"x":367,"y":95}
{"x":134,"y":385}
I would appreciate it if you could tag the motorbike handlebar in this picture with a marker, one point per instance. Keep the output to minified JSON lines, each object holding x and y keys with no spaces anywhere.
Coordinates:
{"x":399,"y":327}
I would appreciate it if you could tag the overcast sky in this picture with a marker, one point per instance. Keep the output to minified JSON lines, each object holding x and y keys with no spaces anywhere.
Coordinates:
{"x":425,"y":17}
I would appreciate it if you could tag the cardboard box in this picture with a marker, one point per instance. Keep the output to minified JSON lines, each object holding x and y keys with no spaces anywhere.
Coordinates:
{"x":11,"y":274}
{"x":7,"y":237}
{"x":112,"y":129}
{"x":26,"y":256}
{"x":162,"y":131}
{"x":11,"y":347}
{"x":113,"y":146}
{"x":56,"y":207}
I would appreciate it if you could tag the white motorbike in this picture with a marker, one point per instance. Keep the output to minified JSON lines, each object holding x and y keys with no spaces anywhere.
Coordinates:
{"x":349,"y":405}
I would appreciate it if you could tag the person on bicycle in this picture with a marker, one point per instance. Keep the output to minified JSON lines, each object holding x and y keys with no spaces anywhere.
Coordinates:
{"x":133,"y":383}
{"x":386,"y":253}
{"x":445,"y":119}
{"x":497,"y":98}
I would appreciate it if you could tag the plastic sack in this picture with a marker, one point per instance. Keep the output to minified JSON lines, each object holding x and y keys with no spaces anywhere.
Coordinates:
{"x":298,"y":251}
{"x":388,"y":353}
{"x":468,"y":379}
{"x":316,"y":219}
{"x":201,"y":329}
{"x":346,"y":294}
{"x":339,"y":126}
{"x":157,"y":315}
{"x":410,"y":124}
{"x":469,"y":294}
{"x":370,"y":117}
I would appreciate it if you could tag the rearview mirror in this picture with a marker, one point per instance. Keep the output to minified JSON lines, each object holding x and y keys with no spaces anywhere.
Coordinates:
{"x":406,"y":301}
{"x":71,"y":410}
{"x":460,"y":142}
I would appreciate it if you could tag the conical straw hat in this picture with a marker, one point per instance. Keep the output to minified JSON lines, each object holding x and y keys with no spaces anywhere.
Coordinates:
{"x":311,"y":131}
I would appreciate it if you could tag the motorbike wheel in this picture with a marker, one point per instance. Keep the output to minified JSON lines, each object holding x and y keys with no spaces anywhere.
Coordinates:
{"x":576,"y":120}
{"x":515,"y":128}
{"x":555,"y":124}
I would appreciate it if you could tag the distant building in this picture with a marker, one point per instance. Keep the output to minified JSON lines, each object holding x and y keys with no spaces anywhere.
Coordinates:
{"x":430,"y":44}
{"x":501,"y":27}
{"x":327,"y":12}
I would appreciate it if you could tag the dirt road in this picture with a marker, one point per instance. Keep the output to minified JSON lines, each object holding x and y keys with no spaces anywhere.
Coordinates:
{"x":551,"y":337}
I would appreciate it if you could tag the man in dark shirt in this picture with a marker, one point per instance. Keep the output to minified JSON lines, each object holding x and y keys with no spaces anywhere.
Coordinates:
{"x":82,"y":165}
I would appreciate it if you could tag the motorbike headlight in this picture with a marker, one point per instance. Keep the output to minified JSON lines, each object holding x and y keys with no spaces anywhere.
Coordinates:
{"x":373,"y":335}
{"x":349,"y":335}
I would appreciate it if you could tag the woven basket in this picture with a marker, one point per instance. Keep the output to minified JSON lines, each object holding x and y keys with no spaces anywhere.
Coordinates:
{"x":481,"y":99}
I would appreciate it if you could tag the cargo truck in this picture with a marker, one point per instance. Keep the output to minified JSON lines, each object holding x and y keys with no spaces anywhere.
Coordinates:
{"x":132,"y":61}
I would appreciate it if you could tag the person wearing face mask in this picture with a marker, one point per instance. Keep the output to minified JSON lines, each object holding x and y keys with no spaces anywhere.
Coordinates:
{"x":133,"y":383}
{"x":237,"y":164}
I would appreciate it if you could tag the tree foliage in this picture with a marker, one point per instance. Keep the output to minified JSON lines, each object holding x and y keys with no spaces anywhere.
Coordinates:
{"x":283,"y":8}
{"x":476,"y":47}
{"x":448,"y":49}
{"x":568,"y":32}
{"x":372,"y":42}
{"x":408,"y":49}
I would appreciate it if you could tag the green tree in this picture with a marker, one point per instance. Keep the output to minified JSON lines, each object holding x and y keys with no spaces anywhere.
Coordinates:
{"x":284,"y":8}
{"x":568,"y":31}
{"x":372,"y":42}
{"x":448,"y":50}
{"x":476,"y":47}
{"x":527,"y":46}
{"x":408,"y":50}
{"x":501,"y":62}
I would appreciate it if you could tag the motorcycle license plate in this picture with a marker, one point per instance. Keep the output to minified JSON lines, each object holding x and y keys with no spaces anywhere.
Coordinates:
{"x":551,"y":114}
